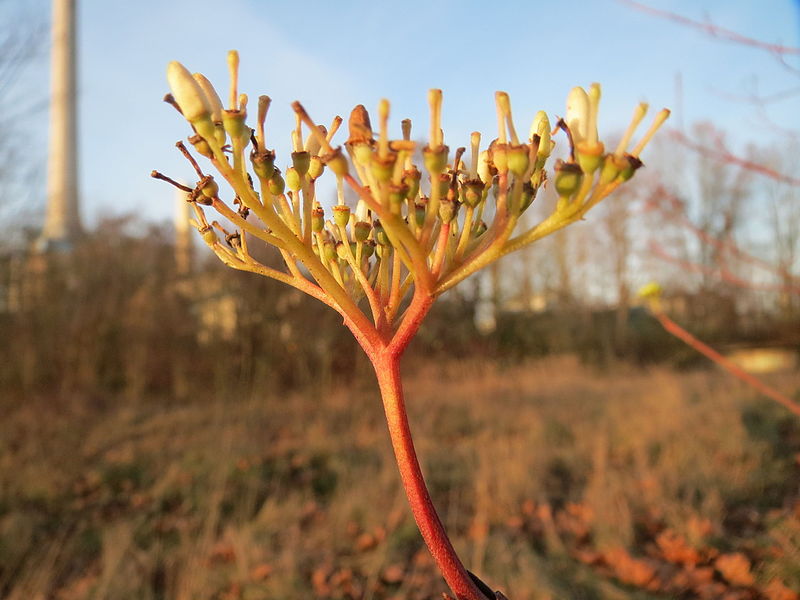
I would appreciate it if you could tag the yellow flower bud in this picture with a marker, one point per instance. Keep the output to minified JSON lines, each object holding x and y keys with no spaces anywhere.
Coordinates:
{"x":190,"y":97}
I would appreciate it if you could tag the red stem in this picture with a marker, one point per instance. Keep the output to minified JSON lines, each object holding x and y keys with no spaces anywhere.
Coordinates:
{"x":755,"y":383}
{"x":386,"y":361}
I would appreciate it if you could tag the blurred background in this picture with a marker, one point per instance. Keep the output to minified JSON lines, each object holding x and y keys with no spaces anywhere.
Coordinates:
{"x":173,"y":429}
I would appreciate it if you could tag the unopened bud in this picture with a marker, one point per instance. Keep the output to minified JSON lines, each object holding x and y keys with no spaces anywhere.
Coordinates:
{"x":329,"y":250}
{"x":383,"y":166}
{"x":201,"y":146}
{"x":380,"y":234}
{"x":499,"y":156}
{"x":568,"y":178}
{"x":448,"y":209}
{"x":276,"y":183}
{"x":411,"y":179}
{"x":337,"y":162}
{"x":435,"y":159}
{"x":301,"y":162}
{"x":187,"y":93}
{"x":359,"y":126}
{"x":209,"y":236}
{"x":234,"y":123}
{"x":208,"y":187}
{"x":368,"y":249}
{"x":315,"y":168}
{"x":317,"y":219}
{"x":341,"y":215}
{"x":361,"y":231}
{"x":293,"y":179}
{"x":472,"y":192}
{"x":211,"y":96}
{"x":527,"y":198}
{"x":518,"y":159}
{"x":420,"y":209}
{"x":263,"y":164}
{"x":632,"y":165}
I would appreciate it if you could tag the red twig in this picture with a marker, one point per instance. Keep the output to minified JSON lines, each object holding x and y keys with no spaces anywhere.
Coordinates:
{"x":706,"y":350}
{"x":722,"y":246}
{"x":722,"y":154}
{"x":714,"y":30}
{"x":724,"y":273}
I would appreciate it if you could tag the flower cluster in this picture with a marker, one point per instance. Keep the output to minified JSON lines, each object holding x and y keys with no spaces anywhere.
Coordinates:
{"x":426,"y":217}
{"x":424,"y":220}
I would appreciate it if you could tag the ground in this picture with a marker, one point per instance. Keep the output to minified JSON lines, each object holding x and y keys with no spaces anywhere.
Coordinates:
{"x":556,"y":481}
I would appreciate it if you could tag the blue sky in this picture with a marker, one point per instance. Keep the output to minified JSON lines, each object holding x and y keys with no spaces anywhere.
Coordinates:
{"x":333,"y":55}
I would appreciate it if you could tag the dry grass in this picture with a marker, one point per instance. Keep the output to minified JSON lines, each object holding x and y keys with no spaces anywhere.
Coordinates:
{"x":555,"y":482}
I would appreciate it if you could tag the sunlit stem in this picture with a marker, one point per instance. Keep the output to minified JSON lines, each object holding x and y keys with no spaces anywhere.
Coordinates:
{"x":662,"y":116}
{"x":233,"y":70}
{"x":504,"y":103}
{"x":594,"y":107}
{"x":435,"y":104}
{"x":383,"y":120}
{"x":263,"y":107}
{"x":475,"y":143}
{"x":638,"y":114}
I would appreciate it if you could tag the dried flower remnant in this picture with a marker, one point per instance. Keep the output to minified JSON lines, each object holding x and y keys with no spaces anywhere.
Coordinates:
{"x":415,"y":231}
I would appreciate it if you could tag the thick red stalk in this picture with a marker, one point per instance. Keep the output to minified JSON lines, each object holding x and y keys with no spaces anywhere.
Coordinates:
{"x":386,"y":361}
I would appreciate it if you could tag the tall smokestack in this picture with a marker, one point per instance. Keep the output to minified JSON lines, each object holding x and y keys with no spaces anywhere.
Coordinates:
{"x":62,"y":223}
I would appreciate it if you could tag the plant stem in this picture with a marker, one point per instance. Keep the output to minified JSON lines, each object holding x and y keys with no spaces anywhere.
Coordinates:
{"x":727,"y":364}
{"x":387,"y":369}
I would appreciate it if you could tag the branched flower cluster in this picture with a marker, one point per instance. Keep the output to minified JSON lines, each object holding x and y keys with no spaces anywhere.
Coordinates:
{"x":425,"y":219}
{"x":413,"y":229}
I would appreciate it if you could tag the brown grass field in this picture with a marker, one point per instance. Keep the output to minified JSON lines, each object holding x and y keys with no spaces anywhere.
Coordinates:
{"x":555,"y":481}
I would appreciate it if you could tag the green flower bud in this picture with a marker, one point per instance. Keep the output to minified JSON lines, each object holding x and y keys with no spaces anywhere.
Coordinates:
{"x":361,"y":231}
{"x":315,"y":168}
{"x":444,"y":184}
{"x":329,"y":250}
{"x":209,"y":236}
{"x":317,"y":219}
{"x":383,"y":167}
{"x":612,"y":165}
{"x":208,"y":187}
{"x":420,"y":209}
{"x":368,"y":249}
{"x":435,"y":159}
{"x":341,"y":215}
{"x":472,"y":192}
{"x":380,"y":234}
{"x":276,"y":183}
{"x":362,"y":153}
{"x":301,"y":162}
{"x":263,"y":163}
{"x":397,"y":195}
{"x":234,"y":123}
{"x":448,"y":209}
{"x":499,"y":157}
{"x":337,"y":162}
{"x":518,"y":160}
{"x":633,"y":164}
{"x":568,"y":178}
{"x":541,"y":127}
{"x":201,"y":146}
{"x":527,"y":198}
{"x":294,"y":180}
{"x":220,"y":135}
{"x":411,"y":179}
